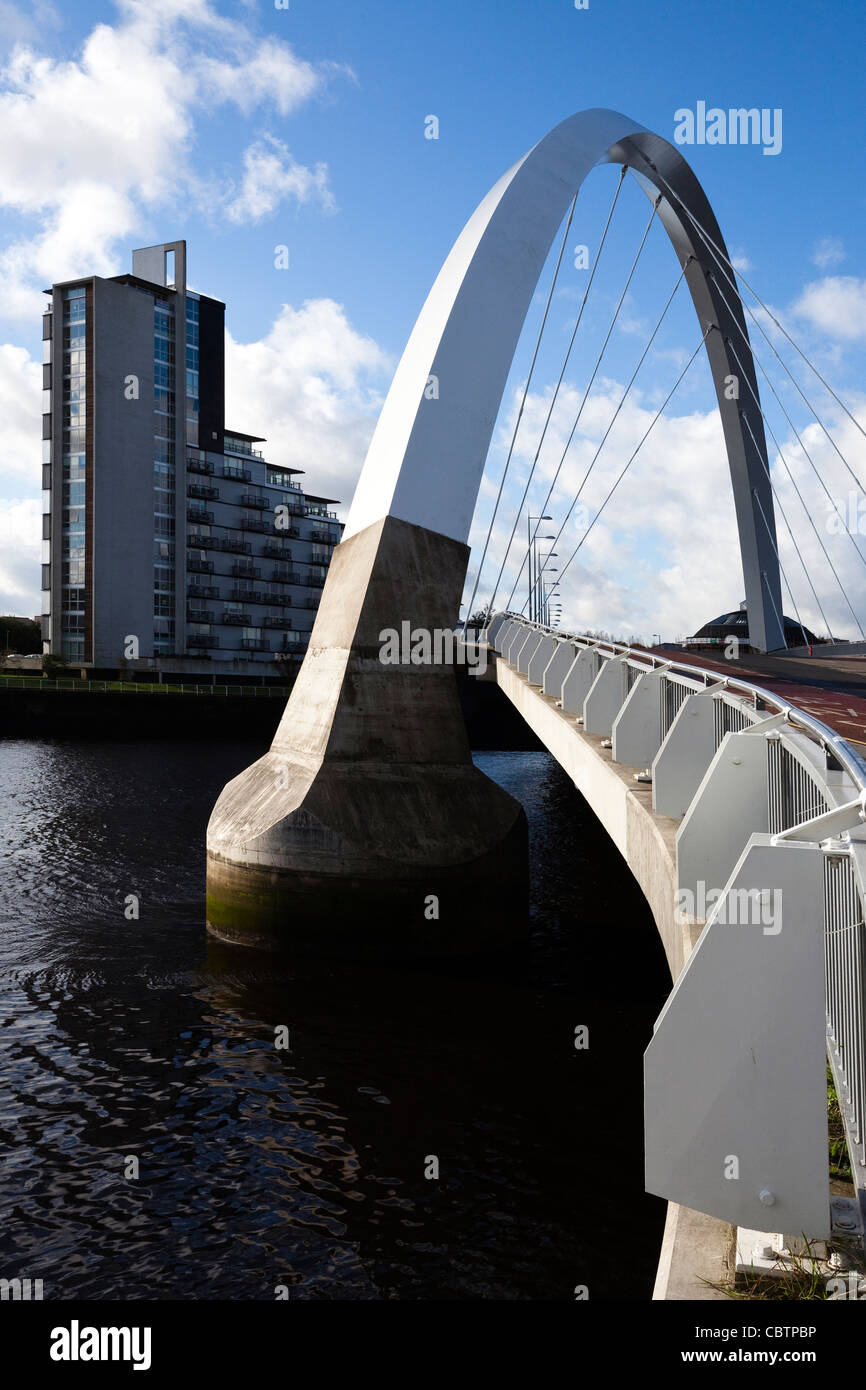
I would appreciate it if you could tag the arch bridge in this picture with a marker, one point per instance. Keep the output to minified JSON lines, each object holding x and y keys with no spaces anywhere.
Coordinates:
{"x":368,"y":802}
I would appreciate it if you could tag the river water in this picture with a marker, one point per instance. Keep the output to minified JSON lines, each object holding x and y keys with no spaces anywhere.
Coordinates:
{"x":141,"y":1044}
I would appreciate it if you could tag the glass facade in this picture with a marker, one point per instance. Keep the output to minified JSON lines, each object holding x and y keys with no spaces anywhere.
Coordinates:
{"x":73,"y":524}
{"x":164,"y":368}
{"x":192,"y":346}
{"x":253,"y":554}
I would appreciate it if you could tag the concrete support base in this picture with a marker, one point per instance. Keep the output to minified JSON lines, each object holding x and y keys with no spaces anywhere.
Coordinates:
{"x":366,"y":829}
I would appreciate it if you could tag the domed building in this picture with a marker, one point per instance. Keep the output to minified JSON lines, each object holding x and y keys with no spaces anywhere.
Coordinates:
{"x":736,"y":624}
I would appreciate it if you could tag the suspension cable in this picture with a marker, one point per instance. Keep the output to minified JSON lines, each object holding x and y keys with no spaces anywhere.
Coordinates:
{"x":723,"y":261}
{"x":523,"y":404}
{"x":779,"y":617}
{"x":626,"y":467}
{"x":583,"y":403}
{"x":613,"y":418}
{"x":803,"y":503}
{"x":797,"y":550}
{"x":719,"y":253}
{"x":769,"y":382}
{"x":579,"y":315}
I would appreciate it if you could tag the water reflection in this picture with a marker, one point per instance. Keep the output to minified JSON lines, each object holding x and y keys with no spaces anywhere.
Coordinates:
{"x":305,"y":1167}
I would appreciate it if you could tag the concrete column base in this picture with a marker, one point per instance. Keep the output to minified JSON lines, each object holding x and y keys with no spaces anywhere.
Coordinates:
{"x":366,"y":829}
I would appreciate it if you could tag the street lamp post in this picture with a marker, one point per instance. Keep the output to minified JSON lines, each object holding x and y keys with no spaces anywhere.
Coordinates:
{"x":530,"y":549}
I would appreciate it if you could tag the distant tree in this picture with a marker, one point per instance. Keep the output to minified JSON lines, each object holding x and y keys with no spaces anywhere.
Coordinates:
{"x":54,"y":666}
{"x":20,"y":635}
{"x":480,"y":618}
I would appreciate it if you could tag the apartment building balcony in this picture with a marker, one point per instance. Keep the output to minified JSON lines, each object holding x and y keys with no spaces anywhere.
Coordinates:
{"x":203,"y":490}
{"x":236,"y":545}
{"x":199,"y":514}
{"x":198,"y":542}
{"x":277,"y":620}
{"x":202,"y":639}
{"x":277,"y":547}
{"x":237,"y":619}
{"x":254,"y":499}
{"x":242,"y":569}
{"x":279,"y":598}
{"x":199,"y":615}
{"x":323,"y":537}
{"x":255,"y":523}
{"x":293,"y":508}
{"x":202,"y":591}
{"x":314,"y":581}
{"x":255,"y":644}
{"x":200,"y":567}
{"x":241,"y":446}
{"x":240,"y":475}
{"x":195,"y":465}
{"x":246,"y":596}
{"x":286,"y":576}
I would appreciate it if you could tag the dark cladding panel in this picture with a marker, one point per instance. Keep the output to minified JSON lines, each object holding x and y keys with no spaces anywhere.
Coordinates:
{"x":211,"y":374}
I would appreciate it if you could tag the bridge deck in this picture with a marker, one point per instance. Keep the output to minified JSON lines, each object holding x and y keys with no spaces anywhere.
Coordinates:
{"x":832,"y":688}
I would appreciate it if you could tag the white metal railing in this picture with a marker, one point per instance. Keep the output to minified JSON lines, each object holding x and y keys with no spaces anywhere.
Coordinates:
{"x":815,"y":792}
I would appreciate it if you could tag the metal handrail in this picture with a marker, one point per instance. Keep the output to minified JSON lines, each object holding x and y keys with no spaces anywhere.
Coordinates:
{"x":852,"y":761}
{"x":845,"y":964}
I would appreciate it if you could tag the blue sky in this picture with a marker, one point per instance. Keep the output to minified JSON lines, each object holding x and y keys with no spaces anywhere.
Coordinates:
{"x":243,"y":127}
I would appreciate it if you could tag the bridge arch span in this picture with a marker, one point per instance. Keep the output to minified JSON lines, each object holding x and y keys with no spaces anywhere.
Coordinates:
{"x":426,"y":458}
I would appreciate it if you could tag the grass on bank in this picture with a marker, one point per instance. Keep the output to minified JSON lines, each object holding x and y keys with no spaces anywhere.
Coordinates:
{"x":801,"y":1282}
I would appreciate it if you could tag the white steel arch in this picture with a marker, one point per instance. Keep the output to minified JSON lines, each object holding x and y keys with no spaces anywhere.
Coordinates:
{"x":427,"y":455}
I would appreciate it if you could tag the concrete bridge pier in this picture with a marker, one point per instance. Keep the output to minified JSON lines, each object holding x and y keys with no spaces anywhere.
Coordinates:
{"x":366,"y":829}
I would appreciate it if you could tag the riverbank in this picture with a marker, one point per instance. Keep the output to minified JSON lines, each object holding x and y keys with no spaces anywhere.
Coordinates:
{"x":34,"y":708}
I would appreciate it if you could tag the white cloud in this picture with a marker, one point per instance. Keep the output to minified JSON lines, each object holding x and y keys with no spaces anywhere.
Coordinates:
{"x":272,"y":75}
{"x":313,"y":387}
{"x":836,"y":306}
{"x":91,"y":145}
{"x":20,"y":545}
{"x":270,"y":176}
{"x":829,"y":251}
{"x":741,"y":263}
{"x":664,"y":554}
{"x":21,"y":517}
{"x":26,"y":23}
{"x":21,"y":408}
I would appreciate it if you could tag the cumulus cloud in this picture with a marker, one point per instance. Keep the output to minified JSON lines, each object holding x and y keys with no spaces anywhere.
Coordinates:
{"x":272,"y":75}
{"x":91,"y":145}
{"x":21,"y":408}
{"x":20,"y":545}
{"x":663,"y":556}
{"x":26,"y":23}
{"x":836,"y":306}
{"x":270,"y":176}
{"x":313,"y":386}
